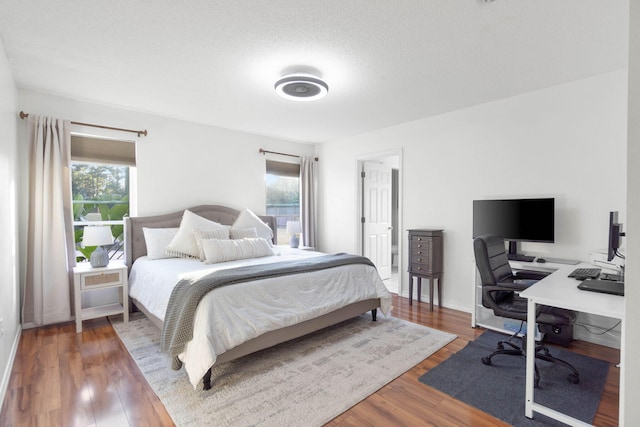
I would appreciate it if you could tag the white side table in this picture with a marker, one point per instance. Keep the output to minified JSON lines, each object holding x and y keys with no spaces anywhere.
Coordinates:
{"x":87,"y":279}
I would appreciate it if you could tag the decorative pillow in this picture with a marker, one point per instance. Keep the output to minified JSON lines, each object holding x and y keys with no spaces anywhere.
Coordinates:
{"x":184,"y":243}
{"x":217,"y":250}
{"x":157,"y":240}
{"x":248,"y":219}
{"x":244,"y":233}
{"x":221,"y":234}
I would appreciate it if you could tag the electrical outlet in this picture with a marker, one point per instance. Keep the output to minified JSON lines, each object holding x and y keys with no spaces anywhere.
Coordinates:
{"x":1,"y":327}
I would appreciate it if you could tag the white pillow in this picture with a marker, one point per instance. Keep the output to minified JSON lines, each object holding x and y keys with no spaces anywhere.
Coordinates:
{"x":184,"y":243}
{"x":157,"y":240}
{"x":248,"y":219}
{"x":221,"y":233}
{"x":216,"y":250}
{"x":244,"y":233}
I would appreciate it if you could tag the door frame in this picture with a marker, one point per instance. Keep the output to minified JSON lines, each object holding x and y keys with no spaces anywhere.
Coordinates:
{"x":360,"y":199}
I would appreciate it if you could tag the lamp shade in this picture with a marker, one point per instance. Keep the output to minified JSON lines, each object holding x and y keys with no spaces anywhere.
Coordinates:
{"x":294,"y":227}
{"x":97,"y":236}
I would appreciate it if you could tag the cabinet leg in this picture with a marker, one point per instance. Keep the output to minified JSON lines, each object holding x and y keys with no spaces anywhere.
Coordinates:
{"x":431,"y":293}
{"x":410,"y":290}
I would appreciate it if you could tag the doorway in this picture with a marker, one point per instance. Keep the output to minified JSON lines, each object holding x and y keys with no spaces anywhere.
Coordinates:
{"x":379,"y":214}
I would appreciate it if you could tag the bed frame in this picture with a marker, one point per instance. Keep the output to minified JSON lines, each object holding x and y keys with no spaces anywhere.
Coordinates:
{"x":135,"y":247}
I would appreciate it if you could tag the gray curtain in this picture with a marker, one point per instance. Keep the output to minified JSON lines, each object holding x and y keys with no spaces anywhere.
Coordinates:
{"x":50,"y":243}
{"x":308,"y":200}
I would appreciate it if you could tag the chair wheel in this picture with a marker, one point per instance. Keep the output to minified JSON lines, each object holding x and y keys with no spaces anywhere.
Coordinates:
{"x":573,"y":378}
{"x":486,"y":360}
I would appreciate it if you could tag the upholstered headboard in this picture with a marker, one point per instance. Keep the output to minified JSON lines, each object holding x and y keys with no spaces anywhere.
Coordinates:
{"x":135,"y":245}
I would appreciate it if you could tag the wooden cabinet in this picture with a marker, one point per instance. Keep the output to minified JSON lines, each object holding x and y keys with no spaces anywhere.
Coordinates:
{"x":87,"y":279}
{"x":425,"y":261}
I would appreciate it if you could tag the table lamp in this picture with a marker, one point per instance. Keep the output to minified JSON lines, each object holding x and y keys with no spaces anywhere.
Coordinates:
{"x":98,"y":236}
{"x":293,"y":228}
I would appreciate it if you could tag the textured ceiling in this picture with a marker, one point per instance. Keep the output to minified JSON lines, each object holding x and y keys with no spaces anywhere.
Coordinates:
{"x":386,"y":62}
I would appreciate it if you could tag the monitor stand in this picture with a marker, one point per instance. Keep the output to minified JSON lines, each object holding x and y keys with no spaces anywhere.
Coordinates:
{"x":513,"y":254}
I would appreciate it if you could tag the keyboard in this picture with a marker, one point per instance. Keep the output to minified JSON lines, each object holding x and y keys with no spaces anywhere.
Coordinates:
{"x":586,"y":273}
{"x":603,"y":286}
{"x":520,"y":257}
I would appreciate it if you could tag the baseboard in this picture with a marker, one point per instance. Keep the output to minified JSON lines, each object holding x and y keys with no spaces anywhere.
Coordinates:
{"x":590,"y":328}
{"x":445,"y":303}
{"x":6,"y":375}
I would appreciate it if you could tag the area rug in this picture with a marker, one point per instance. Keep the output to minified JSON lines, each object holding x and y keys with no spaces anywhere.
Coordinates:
{"x":307,"y":381}
{"x":499,"y":389}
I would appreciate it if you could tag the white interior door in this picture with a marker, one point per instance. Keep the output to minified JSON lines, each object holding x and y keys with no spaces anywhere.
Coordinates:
{"x":376,"y":216}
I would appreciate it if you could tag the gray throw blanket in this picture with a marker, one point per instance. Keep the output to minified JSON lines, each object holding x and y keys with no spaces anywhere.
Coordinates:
{"x":178,"y":321}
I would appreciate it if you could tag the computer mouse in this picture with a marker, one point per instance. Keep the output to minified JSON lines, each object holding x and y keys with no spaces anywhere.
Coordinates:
{"x":541,"y":260}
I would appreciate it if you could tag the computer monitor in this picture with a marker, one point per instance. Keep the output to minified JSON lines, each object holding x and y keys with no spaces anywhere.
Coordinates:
{"x":615,"y":232}
{"x":515,"y":220}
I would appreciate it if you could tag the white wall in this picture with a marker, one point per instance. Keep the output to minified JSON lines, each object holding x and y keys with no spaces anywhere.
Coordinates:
{"x":179,"y":164}
{"x":9,"y":284}
{"x":629,"y":384}
{"x":567,"y":142}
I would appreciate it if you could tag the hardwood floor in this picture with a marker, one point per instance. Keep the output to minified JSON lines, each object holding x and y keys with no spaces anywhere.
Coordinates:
{"x":61,"y":378}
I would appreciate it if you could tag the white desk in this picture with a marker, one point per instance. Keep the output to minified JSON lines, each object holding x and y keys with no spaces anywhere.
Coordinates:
{"x":558,"y":290}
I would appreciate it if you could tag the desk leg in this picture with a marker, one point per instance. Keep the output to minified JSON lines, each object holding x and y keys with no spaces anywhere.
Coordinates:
{"x":419,"y":288}
{"x":439,"y":291}
{"x":531,"y":357}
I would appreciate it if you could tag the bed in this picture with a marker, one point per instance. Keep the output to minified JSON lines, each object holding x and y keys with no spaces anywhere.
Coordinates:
{"x":236,"y":320}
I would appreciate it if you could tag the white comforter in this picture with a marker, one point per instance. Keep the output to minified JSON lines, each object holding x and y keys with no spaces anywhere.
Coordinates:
{"x":232,"y":315}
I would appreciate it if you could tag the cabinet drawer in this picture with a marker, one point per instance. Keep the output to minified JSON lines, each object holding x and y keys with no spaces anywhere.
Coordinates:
{"x":420,"y":252}
{"x":420,"y":238}
{"x":98,"y":280}
{"x":420,"y":268}
{"x":420,"y":248}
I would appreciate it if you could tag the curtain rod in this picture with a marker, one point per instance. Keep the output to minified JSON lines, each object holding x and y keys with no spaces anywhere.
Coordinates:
{"x":262,"y":151}
{"x":24,"y":115}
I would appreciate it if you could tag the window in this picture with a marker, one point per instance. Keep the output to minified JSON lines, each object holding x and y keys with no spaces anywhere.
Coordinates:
{"x":283,"y":195}
{"x":101,"y":175}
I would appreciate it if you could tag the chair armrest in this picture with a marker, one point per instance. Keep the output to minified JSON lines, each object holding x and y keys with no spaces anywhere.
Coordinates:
{"x":530,"y":275}
{"x":489,"y":293}
{"x":517,"y":285}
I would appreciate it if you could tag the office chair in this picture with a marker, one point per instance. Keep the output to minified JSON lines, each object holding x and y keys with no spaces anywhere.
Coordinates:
{"x":500,"y":287}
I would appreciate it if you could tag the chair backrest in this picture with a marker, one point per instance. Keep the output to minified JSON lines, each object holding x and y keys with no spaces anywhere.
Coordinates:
{"x":493,"y":266}
{"x":491,"y":259}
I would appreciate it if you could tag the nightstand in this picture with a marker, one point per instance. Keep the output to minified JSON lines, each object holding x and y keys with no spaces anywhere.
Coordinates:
{"x":87,"y":279}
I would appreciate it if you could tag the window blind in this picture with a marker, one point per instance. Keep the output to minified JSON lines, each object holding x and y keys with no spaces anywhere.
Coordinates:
{"x":102,"y":150}
{"x":283,"y":168}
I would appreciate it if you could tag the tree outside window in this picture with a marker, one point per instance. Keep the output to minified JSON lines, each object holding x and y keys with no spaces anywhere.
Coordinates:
{"x":283,"y":201}
{"x":100,"y":197}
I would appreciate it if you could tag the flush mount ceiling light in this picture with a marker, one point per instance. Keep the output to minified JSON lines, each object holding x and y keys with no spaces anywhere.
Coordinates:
{"x":300,"y":87}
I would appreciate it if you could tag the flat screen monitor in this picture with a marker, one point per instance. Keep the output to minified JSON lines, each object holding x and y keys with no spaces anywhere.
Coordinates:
{"x":515,"y":220}
{"x":615,"y":231}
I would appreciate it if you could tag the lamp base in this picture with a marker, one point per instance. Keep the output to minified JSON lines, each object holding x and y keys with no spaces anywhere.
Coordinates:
{"x":294,"y":242}
{"x":99,"y":258}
